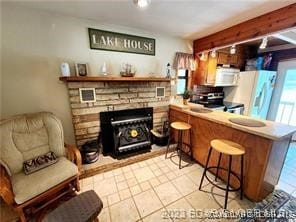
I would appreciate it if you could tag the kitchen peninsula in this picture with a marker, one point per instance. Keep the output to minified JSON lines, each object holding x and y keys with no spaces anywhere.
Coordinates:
{"x":266,"y":146}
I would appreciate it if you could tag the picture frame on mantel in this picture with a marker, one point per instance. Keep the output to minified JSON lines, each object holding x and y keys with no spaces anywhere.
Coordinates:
{"x":81,"y":69}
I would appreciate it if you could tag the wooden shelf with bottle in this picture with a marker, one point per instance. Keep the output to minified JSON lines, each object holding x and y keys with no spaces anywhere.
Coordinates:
{"x":112,"y":79}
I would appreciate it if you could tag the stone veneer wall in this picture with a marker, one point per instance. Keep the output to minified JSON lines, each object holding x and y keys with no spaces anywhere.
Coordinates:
{"x":114,"y":96}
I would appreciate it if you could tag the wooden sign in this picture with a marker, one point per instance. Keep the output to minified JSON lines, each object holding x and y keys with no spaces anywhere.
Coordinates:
{"x":113,"y":41}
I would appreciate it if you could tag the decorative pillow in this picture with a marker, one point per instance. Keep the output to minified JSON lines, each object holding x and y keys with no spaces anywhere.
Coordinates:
{"x":39,"y":162}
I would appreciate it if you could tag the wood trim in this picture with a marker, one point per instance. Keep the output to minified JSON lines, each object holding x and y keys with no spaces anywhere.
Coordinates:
{"x":37,"y":203}
{"x":50,"y":192}
{"x":113,"y":79}
{"x":275,"y":21}
{"x":74,"y":155}
{"x":5,"y":186}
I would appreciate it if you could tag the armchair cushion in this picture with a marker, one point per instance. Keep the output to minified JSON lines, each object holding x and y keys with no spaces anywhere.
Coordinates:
{"x":26,"y":136}
{"x":39,"y":162}
{"x":26,"y":187}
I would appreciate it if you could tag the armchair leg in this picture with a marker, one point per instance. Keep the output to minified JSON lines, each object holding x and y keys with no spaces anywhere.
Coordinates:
{"x":21,"y":214}
{"x":77,"y":184}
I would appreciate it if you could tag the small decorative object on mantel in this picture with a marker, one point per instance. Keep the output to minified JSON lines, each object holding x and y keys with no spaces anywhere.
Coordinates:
{"x":65,"y":69}
{"x":81,"y":69}
{"x":186,"y":95}
{"x":104,"y":69}
{"x":168,"y":71}
{"x":127,"y":70}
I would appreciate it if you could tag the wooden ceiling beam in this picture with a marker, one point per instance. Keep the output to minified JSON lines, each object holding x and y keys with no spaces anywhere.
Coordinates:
{"x":270,"y":23}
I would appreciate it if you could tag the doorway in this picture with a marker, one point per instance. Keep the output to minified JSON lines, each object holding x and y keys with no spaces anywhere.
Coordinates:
{"x":283,"y":110}
{"x":283,"y":104}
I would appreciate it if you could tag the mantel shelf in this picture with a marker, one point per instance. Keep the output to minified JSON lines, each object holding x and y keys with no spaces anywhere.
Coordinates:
{"x":113,"y":79}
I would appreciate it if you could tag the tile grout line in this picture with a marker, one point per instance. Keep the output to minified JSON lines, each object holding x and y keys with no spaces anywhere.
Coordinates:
{"x":152,"y":187}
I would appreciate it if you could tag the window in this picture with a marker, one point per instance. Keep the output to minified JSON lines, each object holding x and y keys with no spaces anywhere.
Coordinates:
{"x":182,"y":81}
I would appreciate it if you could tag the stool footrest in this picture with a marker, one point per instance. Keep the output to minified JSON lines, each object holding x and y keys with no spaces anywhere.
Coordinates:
{"x":220,"y":187}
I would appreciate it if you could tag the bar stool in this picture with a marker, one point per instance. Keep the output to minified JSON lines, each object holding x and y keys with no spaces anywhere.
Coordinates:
{"x":180,"y":127}
{"x":231,"y":149}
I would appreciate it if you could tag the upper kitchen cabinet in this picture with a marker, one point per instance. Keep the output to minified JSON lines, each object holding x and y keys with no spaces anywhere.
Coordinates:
{"x":236,"y":60}
{"x":205,"y":73}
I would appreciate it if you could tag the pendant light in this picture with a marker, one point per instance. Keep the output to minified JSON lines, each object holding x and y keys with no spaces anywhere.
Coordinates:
{"x":263,"y":43}
{"x":213,"y":53}
{"x":202,"y":57}
{"x":232,"y":50}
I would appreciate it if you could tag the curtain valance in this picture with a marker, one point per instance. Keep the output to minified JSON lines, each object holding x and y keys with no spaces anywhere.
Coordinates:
{"x":184,"y":61}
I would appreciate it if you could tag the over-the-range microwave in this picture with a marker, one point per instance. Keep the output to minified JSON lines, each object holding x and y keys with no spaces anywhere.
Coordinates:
{"x":224,"y":76}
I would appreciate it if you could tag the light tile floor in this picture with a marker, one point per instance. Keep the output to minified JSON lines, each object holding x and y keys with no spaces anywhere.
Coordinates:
{"x":287,"y":180}
{"x":154,"y":190}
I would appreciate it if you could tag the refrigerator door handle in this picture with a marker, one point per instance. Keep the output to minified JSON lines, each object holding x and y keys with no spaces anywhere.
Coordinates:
{"x":262,"y":94}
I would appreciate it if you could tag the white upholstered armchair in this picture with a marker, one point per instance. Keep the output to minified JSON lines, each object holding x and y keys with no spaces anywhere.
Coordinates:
{"x":24,"y":137}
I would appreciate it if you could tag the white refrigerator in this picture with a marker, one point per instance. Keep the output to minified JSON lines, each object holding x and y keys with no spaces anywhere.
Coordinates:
{"x":254,"y":90}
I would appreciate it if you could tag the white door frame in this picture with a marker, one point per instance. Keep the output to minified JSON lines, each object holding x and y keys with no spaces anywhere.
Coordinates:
{"x":283,"y":66}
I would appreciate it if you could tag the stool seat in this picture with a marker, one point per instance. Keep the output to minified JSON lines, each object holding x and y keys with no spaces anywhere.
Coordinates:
{"x":227,"y":147}
{"x":180,"y":126}
{"x":230,"y":149}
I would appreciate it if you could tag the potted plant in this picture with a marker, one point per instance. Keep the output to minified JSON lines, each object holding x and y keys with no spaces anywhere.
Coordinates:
{"x":186,"y":95}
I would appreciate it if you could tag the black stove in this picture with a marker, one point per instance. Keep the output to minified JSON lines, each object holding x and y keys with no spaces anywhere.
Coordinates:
{"x":215,"y":101}
{"x":211,"y":100}
{"x":213,"y":106}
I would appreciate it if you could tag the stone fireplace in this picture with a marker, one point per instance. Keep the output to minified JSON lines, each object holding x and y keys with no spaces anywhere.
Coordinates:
{"x":112,"y":96}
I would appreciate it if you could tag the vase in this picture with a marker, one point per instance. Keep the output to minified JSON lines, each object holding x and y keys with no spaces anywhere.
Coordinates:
{"x":185,"y":101}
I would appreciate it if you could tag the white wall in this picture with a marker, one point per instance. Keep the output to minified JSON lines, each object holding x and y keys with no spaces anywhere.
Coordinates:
{"x":34,"y":44}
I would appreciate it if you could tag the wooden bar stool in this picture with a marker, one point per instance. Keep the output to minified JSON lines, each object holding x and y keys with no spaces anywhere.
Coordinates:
{"x":231,"y":149}
{"x":180,"y":127}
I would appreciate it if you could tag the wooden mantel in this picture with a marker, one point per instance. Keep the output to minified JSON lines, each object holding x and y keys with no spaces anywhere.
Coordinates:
{"x":113,"y":79}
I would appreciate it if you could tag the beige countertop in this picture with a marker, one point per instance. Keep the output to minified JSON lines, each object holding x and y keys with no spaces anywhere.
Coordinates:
{"x":272,"y":130}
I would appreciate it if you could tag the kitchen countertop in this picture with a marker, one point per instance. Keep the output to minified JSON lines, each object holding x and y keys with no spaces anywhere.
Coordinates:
{"x":272,"y":130}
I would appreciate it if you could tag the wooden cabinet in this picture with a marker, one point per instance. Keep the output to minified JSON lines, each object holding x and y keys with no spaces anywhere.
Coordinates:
{"x":264,"y":157}
{"x":211,"y":70}
{"x":222,"y":58}
{"x":200,"y":74}
{"x":227,"y":58}
{"x":206,"y":70}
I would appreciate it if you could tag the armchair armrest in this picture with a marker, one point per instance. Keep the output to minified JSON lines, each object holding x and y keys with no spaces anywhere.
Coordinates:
{"x":5,"y":187}
{"x":73,"y":154}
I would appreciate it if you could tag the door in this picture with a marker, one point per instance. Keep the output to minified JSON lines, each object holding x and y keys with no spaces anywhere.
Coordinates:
{"x":283,"y":108}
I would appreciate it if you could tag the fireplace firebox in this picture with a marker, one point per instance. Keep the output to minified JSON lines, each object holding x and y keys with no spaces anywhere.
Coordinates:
{"x":126,"y":131}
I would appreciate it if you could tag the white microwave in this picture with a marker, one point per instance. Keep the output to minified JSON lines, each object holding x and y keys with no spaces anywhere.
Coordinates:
{"x":224,"y":76}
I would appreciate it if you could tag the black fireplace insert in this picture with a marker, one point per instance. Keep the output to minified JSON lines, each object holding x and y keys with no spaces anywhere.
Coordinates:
{"x":126,"y":131}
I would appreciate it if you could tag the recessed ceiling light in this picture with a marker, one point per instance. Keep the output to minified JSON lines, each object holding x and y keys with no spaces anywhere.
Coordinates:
{"x":142,"y":3}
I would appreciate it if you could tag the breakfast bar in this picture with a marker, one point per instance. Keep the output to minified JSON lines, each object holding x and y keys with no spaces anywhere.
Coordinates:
{"x":266,"y":145}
